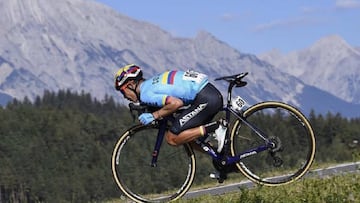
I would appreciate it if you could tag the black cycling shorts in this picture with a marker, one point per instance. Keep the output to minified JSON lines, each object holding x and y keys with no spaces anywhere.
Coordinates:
{"x":206,"y":105}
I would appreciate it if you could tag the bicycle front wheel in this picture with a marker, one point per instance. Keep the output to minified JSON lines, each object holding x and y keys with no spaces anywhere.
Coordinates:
{"x":288,"y":129}
{"x":170,"y":179}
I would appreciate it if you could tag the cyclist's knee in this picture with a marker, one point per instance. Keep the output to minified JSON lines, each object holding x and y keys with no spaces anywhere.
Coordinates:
{"x":171,"y":138}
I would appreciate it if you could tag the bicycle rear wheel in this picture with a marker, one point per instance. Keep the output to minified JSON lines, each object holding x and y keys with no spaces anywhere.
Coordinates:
{"x":138,"y":180}
{"x":289,"y":129}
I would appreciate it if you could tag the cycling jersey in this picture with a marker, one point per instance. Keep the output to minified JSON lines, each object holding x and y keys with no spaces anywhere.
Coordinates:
{"x":184,"y":85}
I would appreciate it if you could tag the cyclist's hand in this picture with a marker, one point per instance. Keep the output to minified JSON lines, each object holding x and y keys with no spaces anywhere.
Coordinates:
{"x":146,"y":118}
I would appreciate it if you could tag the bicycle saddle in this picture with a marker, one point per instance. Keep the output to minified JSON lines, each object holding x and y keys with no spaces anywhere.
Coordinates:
{"x":235,"y":79}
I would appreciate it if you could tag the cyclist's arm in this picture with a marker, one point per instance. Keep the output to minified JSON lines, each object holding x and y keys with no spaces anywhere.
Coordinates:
{"x":171,"y":105}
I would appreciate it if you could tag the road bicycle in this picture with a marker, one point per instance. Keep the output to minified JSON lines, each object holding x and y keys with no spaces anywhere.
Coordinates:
{"x":271,"y":143}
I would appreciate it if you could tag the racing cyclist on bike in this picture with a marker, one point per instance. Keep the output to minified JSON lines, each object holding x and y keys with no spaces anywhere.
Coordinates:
{"x":170,"y":91}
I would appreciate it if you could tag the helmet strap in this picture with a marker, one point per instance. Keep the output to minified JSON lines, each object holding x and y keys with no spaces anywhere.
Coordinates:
{"x":134,"y":90}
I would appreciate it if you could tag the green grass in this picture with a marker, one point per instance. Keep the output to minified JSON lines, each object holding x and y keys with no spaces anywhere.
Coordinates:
{"x":331,"y":189}
{"x":340,"y":188}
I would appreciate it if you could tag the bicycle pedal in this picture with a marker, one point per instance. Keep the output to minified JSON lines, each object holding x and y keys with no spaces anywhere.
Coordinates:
{"x":218,"y":176}
{"x":214,"y":175}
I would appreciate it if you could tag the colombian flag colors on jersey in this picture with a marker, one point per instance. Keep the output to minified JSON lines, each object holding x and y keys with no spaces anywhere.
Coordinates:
{"x":168,"y":77}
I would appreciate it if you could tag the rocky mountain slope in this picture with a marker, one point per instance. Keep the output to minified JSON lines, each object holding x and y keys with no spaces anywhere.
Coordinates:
{"x":329,"y":64}
{"x":79,"y":45}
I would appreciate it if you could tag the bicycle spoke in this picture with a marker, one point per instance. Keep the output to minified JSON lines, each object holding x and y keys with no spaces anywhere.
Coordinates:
{"x":170,"y":179}
{"x":293,"y":139}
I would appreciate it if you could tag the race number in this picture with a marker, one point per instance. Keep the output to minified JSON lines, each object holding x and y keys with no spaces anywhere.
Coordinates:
{"x":194,"y":76}
{"x":238,"y":103}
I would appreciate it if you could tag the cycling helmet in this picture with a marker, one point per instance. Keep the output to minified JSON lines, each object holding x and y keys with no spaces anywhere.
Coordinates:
{"x":126,"y":73}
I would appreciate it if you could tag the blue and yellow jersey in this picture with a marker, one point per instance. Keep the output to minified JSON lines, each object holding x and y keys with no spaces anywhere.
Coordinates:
{"x":181,"y":84}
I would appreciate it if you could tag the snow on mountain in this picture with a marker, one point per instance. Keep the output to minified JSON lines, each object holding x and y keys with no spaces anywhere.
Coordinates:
{"x":330,"y":64}
{"x":80,"y":44}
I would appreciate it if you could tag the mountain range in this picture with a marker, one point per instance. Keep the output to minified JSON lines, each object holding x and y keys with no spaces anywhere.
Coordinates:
{"x":329,"y":64}
{"x":80,"y":44}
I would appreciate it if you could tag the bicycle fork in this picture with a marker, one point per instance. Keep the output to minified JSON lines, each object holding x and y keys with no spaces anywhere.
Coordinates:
{"x":159,"y":139}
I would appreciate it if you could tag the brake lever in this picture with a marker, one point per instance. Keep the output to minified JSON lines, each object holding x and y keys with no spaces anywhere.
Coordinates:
{"x":136,"y":108}
{"x":132,"y":115}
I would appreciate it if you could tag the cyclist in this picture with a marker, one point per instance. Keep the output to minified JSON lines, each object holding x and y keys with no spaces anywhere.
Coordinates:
{"x":170,"y":91}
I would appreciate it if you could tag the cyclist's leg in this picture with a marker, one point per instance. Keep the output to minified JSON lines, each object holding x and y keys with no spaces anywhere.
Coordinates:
{"x":197,"y":147}
{"x":183,"y":137}
{"x":189,"y":124}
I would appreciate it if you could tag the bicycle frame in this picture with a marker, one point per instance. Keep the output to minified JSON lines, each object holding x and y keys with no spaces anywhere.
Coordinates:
{"x":222,"y":158}
{"x":225,"y":159}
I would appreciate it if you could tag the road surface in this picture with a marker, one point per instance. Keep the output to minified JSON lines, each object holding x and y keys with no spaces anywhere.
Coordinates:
{"x":222,"y":189}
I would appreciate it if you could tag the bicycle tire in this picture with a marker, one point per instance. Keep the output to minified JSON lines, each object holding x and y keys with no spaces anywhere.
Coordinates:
{"x":293,"y":135}
{"x":138,"y":180}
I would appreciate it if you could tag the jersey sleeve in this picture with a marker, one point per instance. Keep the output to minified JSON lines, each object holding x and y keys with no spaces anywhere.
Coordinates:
{"x":158,"y":100}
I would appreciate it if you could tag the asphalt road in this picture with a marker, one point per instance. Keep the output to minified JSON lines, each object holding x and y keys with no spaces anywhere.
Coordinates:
{"x":226,"y":188}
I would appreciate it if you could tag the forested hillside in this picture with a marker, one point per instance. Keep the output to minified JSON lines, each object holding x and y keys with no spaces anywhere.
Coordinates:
{"x":58,"y":148}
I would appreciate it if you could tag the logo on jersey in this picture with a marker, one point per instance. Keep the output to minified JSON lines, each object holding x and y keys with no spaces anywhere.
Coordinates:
{"x":192,"y":114}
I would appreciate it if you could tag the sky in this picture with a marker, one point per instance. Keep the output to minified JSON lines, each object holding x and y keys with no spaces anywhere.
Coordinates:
{"x":251,"y":26}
